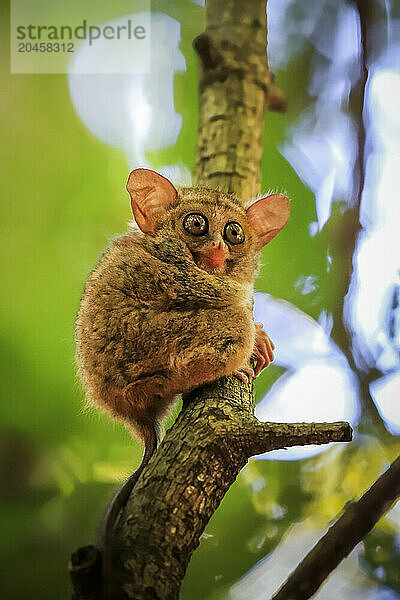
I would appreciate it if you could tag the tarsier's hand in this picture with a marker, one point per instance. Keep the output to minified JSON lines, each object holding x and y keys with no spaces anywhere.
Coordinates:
{"x":263,"y":349}
{"x":262,"y":353}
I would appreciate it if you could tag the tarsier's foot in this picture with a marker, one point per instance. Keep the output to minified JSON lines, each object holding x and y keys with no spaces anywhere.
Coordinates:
{"x":244,"y":374}
{"x":263,"y":349}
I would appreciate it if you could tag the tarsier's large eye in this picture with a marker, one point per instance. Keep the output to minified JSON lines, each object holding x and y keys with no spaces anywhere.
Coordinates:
{"x":195,"y":224}
{"x":233,"y":233}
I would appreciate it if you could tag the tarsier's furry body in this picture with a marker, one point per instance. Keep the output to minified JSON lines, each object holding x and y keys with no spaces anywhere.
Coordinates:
{"x":169,"y":306}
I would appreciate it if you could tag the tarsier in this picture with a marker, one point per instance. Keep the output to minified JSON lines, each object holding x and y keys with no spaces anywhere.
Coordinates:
{"x":169,"y":306}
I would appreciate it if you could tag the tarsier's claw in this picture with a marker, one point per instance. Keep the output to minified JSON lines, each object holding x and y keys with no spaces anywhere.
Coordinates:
{"x":244,"y":374}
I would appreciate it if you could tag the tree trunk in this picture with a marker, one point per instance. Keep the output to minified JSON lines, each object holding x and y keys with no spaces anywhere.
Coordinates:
{"x":234,"y":87}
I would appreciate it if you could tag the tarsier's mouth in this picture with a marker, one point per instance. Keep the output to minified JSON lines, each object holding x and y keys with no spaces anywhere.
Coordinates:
{"x":211,"y":262}
{"x":215,"y":255}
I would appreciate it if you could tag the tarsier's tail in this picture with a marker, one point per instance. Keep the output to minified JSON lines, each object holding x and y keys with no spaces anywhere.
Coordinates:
{"x":150,"y":437}
{"x":119,"y":500}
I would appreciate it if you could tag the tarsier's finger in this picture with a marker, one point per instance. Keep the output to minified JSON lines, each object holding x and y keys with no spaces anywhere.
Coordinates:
{"x":261,"y":333}
{"x":266,"y":353}
{"x":248,"y":370}
{"x":263,"y":349}
{"x":261,"y":362}
{"x":271,"y":342}
{"x":241,"y":376}
{"x":244,"y":374}
{"x":270,"y":349}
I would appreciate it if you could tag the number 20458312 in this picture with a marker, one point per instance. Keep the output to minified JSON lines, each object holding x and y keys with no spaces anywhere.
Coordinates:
{"x":46,"y":47}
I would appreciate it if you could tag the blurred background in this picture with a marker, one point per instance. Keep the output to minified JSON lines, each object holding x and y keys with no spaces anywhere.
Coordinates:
{"x":328,"y":292}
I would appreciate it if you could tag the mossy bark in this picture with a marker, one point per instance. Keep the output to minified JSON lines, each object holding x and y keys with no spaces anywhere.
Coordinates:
{"x":233,"y":91}
{"x":198,"y":460}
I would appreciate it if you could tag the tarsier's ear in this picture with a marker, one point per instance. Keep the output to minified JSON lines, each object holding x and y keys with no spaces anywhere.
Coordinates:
{"x":268,"y":216}
{"x":150,"y":193}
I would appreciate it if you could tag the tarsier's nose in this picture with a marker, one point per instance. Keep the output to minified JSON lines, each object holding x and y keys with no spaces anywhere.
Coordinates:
{"x":216,"y":254}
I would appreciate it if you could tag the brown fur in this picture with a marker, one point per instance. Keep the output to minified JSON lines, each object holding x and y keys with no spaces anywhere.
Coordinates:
{"x":153,"y":324}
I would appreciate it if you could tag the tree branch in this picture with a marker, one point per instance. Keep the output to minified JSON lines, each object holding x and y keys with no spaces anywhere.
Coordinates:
{"x":357,"y":520}
{"x":344,"y":236}
{"x":257,"y":438}
{"x":197,"y":462}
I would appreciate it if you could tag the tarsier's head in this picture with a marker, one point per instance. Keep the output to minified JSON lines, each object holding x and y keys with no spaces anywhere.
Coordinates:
{"x":223,"y":237}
